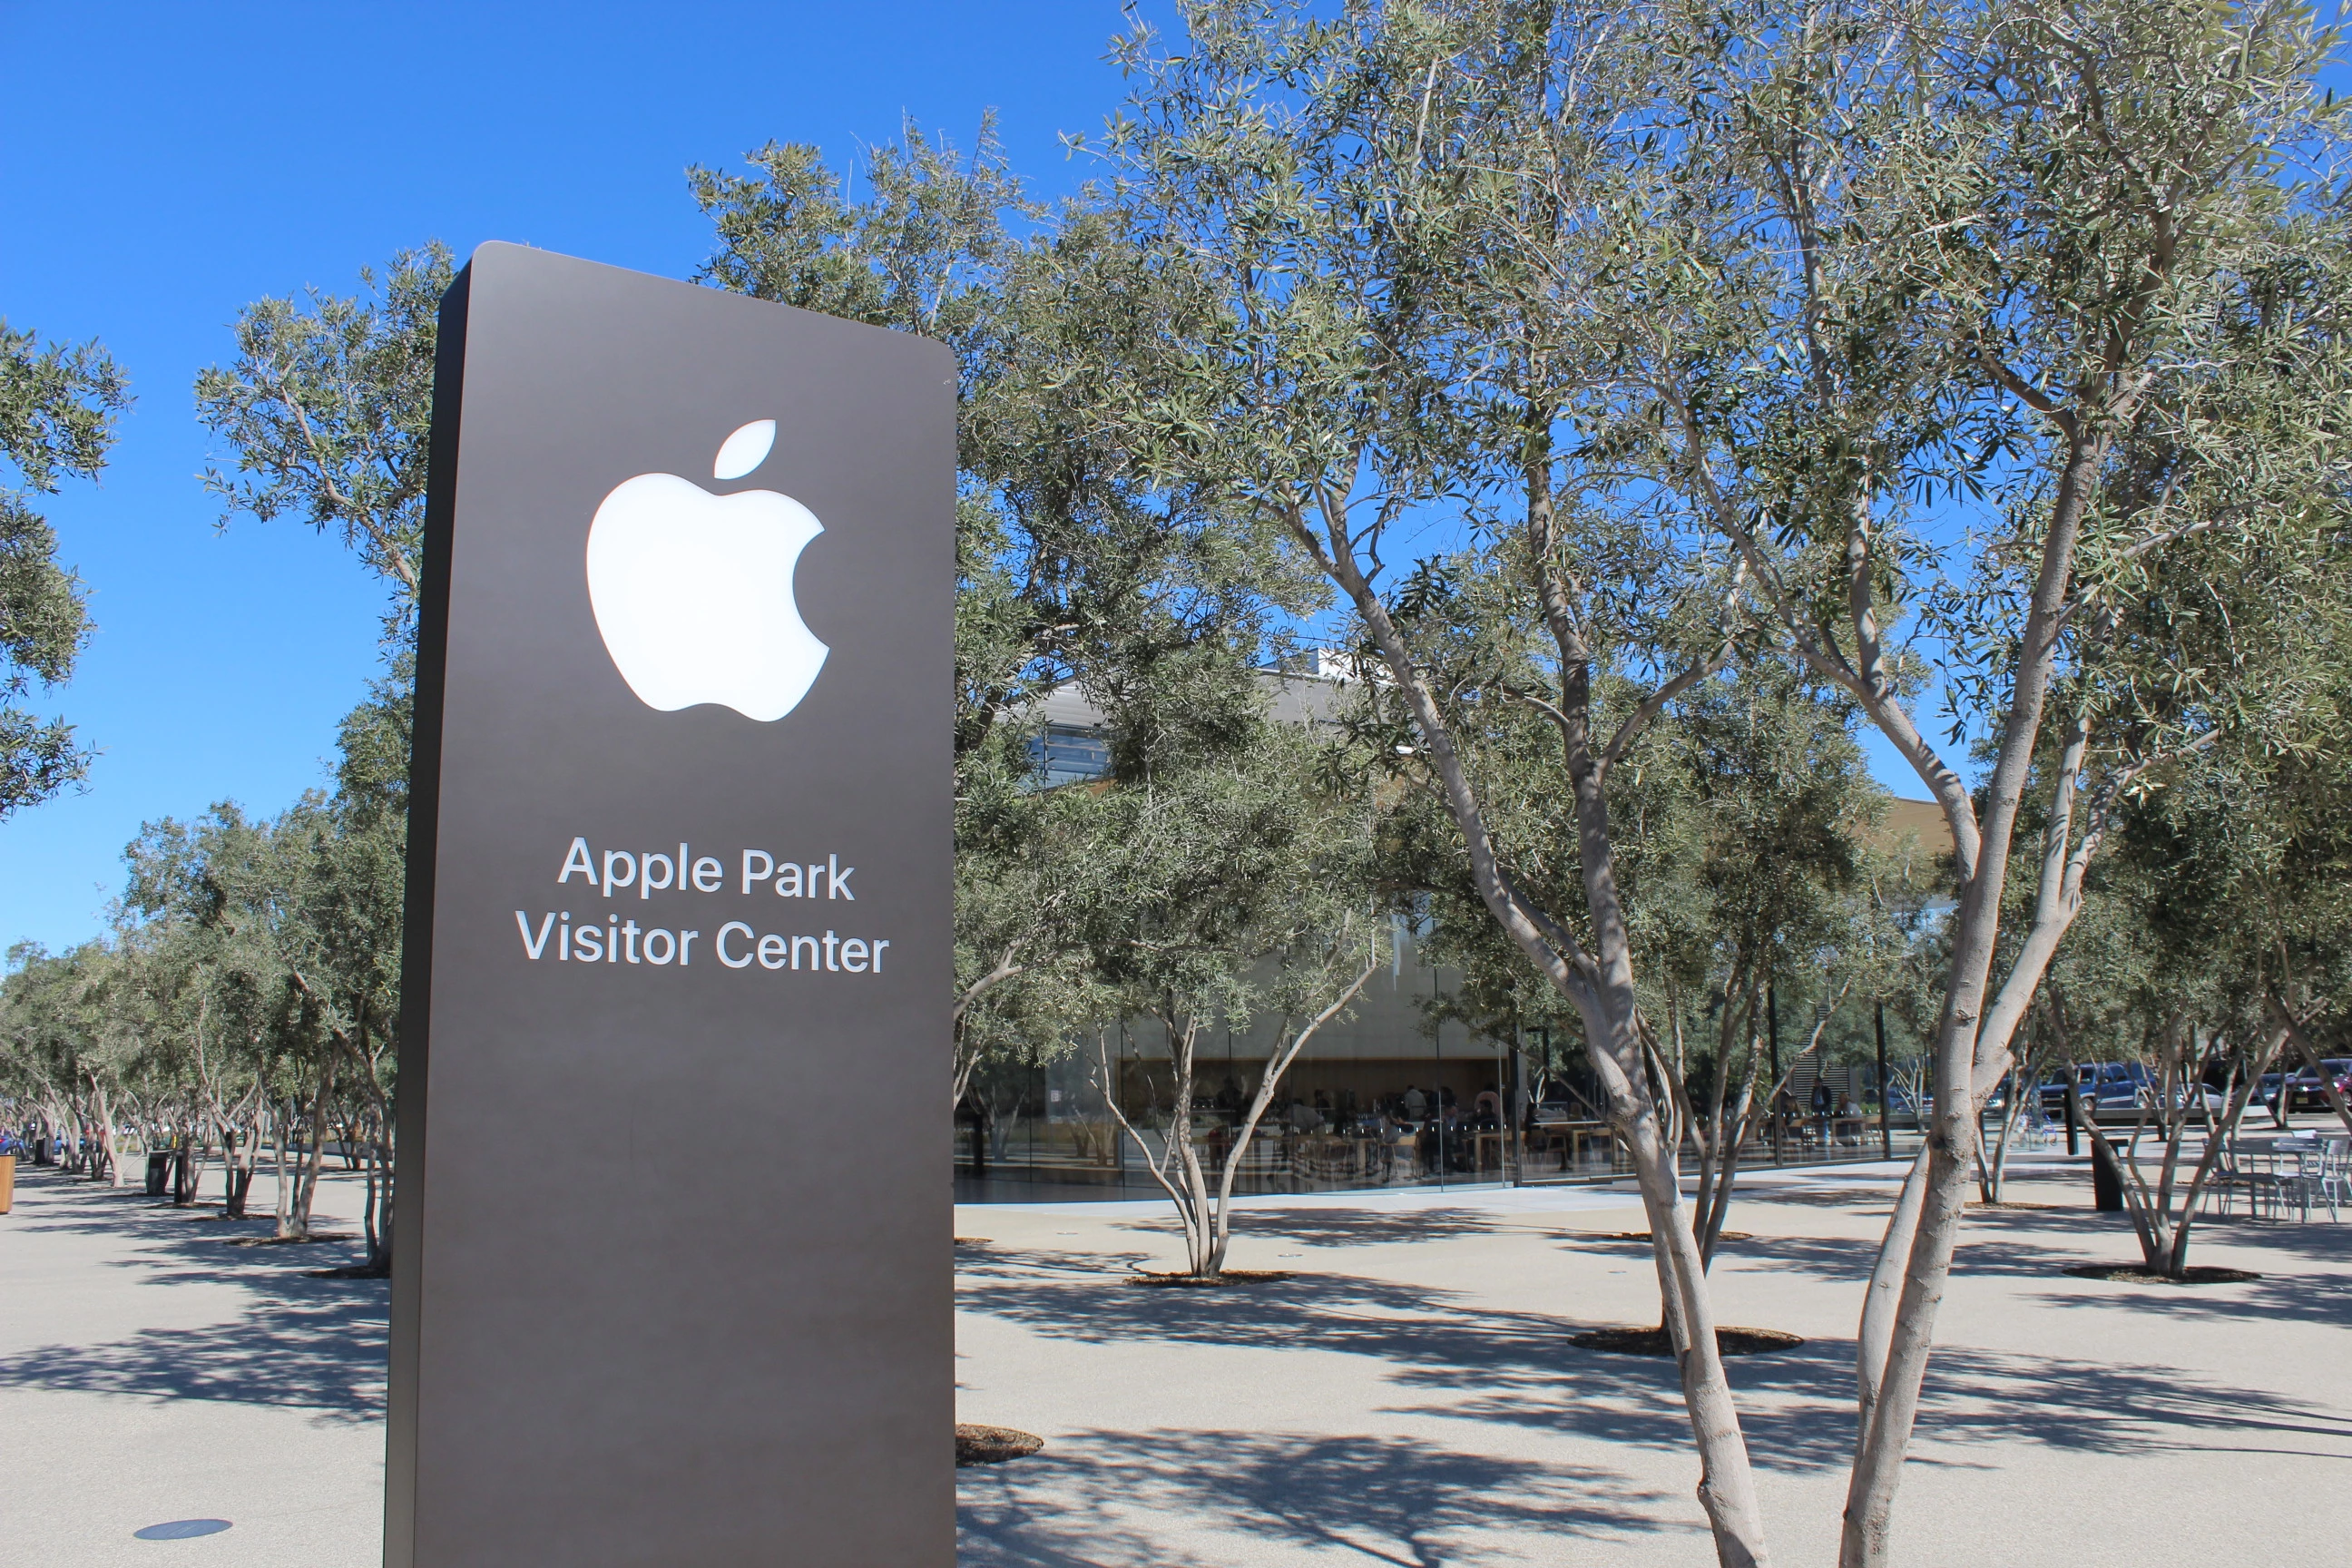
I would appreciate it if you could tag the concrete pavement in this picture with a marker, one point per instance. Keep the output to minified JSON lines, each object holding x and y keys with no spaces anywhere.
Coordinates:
{"x":1409,"y":1398}
{"x":152,"y":1372}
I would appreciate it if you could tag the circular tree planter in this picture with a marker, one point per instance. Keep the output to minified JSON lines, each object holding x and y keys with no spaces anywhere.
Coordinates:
{"x":1644,"y":1235}
{"x":1657,"y":1342}
{"x":1210,"y":1281}
{"x":2140,"y":1274}
{"x":977,"y":1445}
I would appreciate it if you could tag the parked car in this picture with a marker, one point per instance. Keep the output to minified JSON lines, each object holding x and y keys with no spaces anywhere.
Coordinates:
{"x":2203,"y":1096}
{"x":2053,"y":1088}
{"x":2123,"y":1087}
{"x":2303,"y":1090}
{"x":2111,"y":1089}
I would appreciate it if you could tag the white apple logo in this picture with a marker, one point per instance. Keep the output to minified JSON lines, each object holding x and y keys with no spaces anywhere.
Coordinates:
{"x":693,"y":591}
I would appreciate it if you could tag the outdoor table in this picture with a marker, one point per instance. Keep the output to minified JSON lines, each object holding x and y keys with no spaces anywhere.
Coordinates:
{"x":1585,"y":1133}
{"x":1568,"y":1137}
{"x":1334,"y":1156}
{"x":1546,"y":1137}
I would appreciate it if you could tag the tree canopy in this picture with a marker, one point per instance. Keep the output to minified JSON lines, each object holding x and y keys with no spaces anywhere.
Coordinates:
{"x":58,"y":404}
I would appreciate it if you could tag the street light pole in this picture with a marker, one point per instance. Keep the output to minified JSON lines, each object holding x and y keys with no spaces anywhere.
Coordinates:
{"x":1886,"y":1128}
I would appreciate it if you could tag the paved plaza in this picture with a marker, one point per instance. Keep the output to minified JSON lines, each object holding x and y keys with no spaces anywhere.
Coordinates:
{"x":1410,"y":1397}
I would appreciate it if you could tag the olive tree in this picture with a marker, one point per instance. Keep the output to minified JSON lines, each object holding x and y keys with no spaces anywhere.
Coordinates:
{"x":58,"y":404}
{"x":1907,"y":338}
{"x":325,"y":411}
{"x":1380,"y":233}
{"x":1236,"y":889}
{"x":1073,"y":569}
{"x":2053,"y":270}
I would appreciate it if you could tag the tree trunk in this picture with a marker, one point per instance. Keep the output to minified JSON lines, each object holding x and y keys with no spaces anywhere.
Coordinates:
{"x":1992,"y":1175}
{"x":280,"y":1118}
{"x":1601,"y":984}
{"x":1893,"y":1410}
{"x":1734,"y":1125}
{"x":1207,"y":1257}
{"x":106,"y":1164}
{"x":376,"y":1120}
{"x":387,"y":1218}
{"x":1277,"y":1066}
{"x":1886,"y":1127}
{"x":376,"y":1212}
{"x":237,"y":1172}
{"x":1177,"y":1168}
{"x":296,"y":1225}
{"x":1875,"y":1335}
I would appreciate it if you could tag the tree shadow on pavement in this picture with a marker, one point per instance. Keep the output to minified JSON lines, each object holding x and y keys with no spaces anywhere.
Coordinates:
{"x":1431,"y":1337}
{"x":317,"y":1345}
{"x":1518,"y":1368}
{"x":1344,"y":1313}
{"x":1798,"y":1408}
{"x":1042,"y":1265}
{"x":1107,"y":1499}
{"x":2037,"y":1247}
{"x":1344,"y":1228}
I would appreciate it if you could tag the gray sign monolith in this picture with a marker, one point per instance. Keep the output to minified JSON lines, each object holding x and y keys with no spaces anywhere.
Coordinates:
{"x":672,"y":1247}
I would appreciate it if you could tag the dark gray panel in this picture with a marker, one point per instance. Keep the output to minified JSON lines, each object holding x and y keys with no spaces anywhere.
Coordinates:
{"x":673,"y":1274}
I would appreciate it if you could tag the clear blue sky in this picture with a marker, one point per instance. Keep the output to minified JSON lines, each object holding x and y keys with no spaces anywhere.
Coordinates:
{"x":162,"y":164}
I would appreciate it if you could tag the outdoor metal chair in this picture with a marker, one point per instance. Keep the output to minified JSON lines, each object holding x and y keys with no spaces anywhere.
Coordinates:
{"x":2297,"y":1171}
{"x":2223,"y":1182}
{"x":2036,"y":1130}
{"x":2334,"y":1173}
{"x":2240,"y":1171}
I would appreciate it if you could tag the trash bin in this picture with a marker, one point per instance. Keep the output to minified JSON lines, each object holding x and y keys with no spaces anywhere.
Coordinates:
{"x":159,"y":1172}
{"x":8,"y":1182}
{"x":2107,"y":1180}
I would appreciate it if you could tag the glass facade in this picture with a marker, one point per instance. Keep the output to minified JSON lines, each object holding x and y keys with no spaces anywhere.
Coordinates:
{"x":1379,"y":1098}
{"x":1066,"y":754}
{"x":1336,"y":1123}
{"x":1465,"y":1117}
